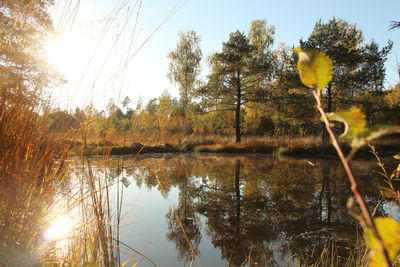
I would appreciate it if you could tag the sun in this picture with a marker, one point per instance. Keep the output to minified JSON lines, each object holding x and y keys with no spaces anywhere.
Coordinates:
{"x":67,"y":53}
{"x":58,"y":229}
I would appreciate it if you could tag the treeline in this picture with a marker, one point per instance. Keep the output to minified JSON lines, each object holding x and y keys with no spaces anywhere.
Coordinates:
{"x":253,"y":88}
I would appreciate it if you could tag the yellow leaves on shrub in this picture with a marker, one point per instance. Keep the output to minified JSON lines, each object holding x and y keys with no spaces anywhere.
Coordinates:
{"x":353,"y":119}
{"x":355,"y":127}
{"x":389,"y":231}
{"x":315,"y":68}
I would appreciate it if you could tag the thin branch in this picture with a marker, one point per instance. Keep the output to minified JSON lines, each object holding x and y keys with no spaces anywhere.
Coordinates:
{"x":394,"y":25}
{"x":354,"y":184}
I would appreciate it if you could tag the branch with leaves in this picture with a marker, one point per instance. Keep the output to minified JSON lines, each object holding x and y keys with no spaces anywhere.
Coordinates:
{"x":382,"y":235}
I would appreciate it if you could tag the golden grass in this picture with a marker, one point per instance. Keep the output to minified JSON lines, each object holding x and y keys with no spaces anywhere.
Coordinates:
{"x":32,"y":162}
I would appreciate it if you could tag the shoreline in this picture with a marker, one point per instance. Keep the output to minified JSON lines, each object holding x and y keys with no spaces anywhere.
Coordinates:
{"x":318,"y":151}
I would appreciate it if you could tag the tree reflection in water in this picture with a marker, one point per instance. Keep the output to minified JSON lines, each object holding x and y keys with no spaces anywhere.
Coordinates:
{"x":183,"y":221}
{"x":255,"y":209}
{"x":237,"y":215}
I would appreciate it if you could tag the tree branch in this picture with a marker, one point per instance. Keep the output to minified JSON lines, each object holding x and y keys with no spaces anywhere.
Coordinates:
{"x":354,"y":184}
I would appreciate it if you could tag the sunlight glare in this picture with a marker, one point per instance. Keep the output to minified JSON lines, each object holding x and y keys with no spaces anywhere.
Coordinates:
{"x":66,"y":53}
{"x":58,"y":229}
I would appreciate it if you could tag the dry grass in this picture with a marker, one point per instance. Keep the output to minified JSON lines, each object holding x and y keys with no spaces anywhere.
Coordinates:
{"x":283,"y":141}
{"x":31,"y":165}
{"x":330,"y":255}
{"x":206,"y":140}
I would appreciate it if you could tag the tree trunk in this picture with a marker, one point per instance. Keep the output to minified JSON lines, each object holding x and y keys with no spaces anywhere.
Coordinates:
{"x":185,"y":104}
{"x":238,"y":106}
{"x":237,"y":124}
{"x":184,"y":116}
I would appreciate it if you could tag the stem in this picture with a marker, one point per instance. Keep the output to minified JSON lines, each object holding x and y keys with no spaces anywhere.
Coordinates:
{"x":354,"y":184}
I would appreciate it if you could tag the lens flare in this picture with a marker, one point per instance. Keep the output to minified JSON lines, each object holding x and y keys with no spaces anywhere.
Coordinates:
{"x":66,"y":53}
{"x":58,"y":229}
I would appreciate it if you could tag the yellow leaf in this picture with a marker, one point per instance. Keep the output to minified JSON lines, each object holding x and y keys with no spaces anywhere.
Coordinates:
{"x":389,"y":231}
{"x":315,"y":68}
{"x":353,"y":119}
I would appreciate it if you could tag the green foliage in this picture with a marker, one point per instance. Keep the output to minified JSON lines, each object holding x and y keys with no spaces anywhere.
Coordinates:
{"x":241,"y":72}
{"x":254,"y":90}
{"x":357,"y":67}
{"x":392,"y":97}
{"x":261,"y":36}
{"x":184,"y":68}
{"x":290,"y":101}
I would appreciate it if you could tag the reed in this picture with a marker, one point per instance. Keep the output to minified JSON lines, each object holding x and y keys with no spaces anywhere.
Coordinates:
{"x":32,"y":163}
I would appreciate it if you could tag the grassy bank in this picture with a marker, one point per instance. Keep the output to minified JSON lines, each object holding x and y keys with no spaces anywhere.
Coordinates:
{"x":278,"y":146}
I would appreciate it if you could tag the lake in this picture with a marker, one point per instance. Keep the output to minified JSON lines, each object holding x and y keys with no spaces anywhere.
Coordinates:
{"x":226,"y":210}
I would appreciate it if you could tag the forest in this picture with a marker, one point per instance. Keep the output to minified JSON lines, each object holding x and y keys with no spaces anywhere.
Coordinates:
{"x":252,"y":89}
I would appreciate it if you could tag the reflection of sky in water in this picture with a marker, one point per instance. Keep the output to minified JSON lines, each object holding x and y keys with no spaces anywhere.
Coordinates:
{"x":144,"y":224}
{"x":145,"y":228}
{"x":392,"y":209}
{"x":65,"y":220}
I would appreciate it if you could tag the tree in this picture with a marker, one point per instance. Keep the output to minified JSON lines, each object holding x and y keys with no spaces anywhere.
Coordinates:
{"x":165,"y":106}
{"x":125,"y":103}
{"x":23,"y":70}
{"x":261,"y":36}
{"x":32,"y":159}
{"x":289,"y":100}
{"x":393,"y":96}
{"x":241,"y":72}
{"x":184,"y":67}
{"x":62,"y":122}
{"x":389,"y":114}
{"x":357,"y":67}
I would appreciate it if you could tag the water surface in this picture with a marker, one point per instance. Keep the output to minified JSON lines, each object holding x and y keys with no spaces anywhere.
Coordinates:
{"x":224,"y":210}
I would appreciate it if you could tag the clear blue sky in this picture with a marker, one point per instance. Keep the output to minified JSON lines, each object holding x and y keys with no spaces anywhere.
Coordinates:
{"x":213,"y":20}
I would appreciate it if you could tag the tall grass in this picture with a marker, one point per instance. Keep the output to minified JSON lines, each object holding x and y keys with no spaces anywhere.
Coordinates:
{"x":32,"y":163}
{"x":33,"y":170}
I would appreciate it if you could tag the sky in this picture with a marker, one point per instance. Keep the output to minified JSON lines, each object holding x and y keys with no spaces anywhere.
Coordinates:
{"x":117,"y":48}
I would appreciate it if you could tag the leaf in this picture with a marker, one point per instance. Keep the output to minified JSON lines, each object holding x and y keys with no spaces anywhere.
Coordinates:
{"x":355,"y":127}
{"x":353,"y":119}
{"x":389,"y":231}
{"x":90,"y":264}
{"x":368,"y":135}
{"x":315,"y":68}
